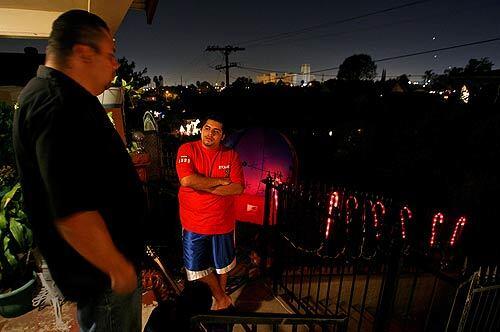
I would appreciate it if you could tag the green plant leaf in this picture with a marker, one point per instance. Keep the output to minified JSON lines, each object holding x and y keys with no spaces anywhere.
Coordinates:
{"x":3,"y":220}
{"x":8,"y":196}
{"x":21,"y":215}
{"x":6,"y":251}
{"x":16,"y":228}
{"x":28,"y":236}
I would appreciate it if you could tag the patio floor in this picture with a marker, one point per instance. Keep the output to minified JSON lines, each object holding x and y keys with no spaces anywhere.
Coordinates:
{"x":252,"y":296}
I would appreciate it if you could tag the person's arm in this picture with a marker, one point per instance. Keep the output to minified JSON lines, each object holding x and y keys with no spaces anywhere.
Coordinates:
{"x":230,"y":189}
{"x":188,"y":177}
{"x":200,"y":182}
{"x":63,"y":150}
{"x":87,"y":233}
{"x":236,"y":180}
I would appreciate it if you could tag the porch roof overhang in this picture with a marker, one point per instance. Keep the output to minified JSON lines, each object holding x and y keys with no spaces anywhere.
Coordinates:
{"x":33,"y":18}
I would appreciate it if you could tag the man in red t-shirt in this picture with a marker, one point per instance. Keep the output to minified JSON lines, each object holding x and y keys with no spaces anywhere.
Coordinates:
{"x":210,"y":175}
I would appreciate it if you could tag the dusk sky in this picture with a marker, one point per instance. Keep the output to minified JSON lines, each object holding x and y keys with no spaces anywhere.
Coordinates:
{"x":174,"y":44}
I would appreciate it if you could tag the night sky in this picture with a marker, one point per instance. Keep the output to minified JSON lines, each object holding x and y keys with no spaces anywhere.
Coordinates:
{"x":174,"y":44}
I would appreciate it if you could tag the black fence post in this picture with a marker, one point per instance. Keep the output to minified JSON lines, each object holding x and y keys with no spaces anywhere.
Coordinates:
{"x":268,"y":181}
{"x":389,"y":290}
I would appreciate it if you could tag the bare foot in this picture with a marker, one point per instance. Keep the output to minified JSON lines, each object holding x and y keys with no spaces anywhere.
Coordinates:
{"x":225,"y":303}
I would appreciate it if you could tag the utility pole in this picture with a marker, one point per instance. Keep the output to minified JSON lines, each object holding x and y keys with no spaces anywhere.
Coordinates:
{"x":226,"y":51}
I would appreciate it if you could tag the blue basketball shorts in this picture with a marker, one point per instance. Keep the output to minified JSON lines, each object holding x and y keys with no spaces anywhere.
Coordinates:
{"x":205,"y":253}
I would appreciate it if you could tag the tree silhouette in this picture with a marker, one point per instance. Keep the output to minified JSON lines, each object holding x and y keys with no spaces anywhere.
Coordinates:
{"x":430,"y":76}
{"x":127,"y":72}
{"x":357,"y":67}
{"x":242,"y":83}
{"x":475,"y":66}
{"x":454,"y":71}
{"x":205,"y":87}
{"x":475,"y":76}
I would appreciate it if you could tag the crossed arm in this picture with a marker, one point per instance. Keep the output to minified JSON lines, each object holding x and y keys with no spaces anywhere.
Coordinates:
{"x":216,"y":186}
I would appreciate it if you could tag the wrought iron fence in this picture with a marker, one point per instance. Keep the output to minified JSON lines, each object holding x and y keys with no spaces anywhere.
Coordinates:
{"x":281,"y":322}
{"x":476,"y":306}
{"x":363,"y":255}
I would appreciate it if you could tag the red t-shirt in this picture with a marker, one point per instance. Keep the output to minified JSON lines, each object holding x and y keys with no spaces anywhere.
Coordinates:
{"x":202,"y":212}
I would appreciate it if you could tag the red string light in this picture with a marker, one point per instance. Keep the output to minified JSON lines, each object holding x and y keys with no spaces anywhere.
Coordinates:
{"x":403,"y":220}
{"x":273,"y":215}
{"x":274,"y":207}
{"x":349,"y":209}
{"x":334,"y":203}
{"x":438,"y":218}
{"x":376,"y":216}
{"x":458,"y":229}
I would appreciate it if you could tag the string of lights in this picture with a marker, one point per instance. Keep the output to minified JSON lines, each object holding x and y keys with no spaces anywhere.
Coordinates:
{"x":334,"y":203}
{"x":438,"y":219}
{"x":456,"y":231}
{"x":405,"y":216}
{"x":341,"y":208}
{"x":376,"y":216}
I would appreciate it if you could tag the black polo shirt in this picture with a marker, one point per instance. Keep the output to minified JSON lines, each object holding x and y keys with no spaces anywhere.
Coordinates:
{"x":71,"y":159}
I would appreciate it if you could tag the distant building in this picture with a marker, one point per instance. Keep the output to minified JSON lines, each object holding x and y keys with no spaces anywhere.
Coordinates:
{"x":290,"y":79}
{"x":275,"y":78}
{"x":305,"y":73}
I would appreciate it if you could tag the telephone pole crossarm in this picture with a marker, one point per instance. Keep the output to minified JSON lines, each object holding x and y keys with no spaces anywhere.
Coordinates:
{"x":226,"y":50}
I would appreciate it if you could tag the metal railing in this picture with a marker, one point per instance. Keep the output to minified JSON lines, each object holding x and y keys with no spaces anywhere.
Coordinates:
{"x":341,"y":252}
{"x":281,"y":322}
{"x":476,"y":306}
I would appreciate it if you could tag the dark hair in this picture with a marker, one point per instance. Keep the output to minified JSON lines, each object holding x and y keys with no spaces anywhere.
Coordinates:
{"x":216,"y":117}
{"x":75,"y":27}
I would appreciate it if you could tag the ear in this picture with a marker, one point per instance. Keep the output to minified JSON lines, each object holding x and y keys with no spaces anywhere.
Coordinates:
{"x":83,"y":53}
{"x":223,"y":136}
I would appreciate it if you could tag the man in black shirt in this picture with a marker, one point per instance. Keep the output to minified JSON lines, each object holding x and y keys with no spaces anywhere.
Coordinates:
{"x":81,"y":191}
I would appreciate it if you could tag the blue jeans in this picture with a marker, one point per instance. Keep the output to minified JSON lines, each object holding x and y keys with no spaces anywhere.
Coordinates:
{"x":111,"y":312}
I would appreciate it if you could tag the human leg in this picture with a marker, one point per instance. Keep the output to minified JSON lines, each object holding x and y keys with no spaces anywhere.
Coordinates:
{"x":198,"y":262}
{"x":222,"y":281}
{"x":222,"y":300}
{"x":224,"y":256}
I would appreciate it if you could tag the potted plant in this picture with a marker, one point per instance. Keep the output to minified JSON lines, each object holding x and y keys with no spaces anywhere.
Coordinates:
{"x":17,"y":278}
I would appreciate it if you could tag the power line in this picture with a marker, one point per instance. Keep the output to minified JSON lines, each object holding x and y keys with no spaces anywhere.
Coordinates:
{"x":384,"y":59}
{"x":256,"y":41}
{"x":422,"y":52}
{"x":309,"y":37}
{"x":225,"y":51}
{"x":327,"y":75}
{"x":264,"y":70}
{"x":456,"y":11}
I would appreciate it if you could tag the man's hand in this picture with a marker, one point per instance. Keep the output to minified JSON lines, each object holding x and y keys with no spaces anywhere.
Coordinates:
{"x":232,"y":188}
{"x":123,"y":279}
{"x":88,"y":234}
{"x":224,"y":181}
{"x":200,"y":182}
